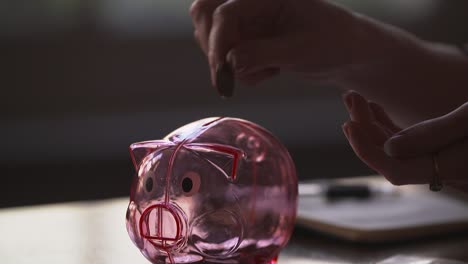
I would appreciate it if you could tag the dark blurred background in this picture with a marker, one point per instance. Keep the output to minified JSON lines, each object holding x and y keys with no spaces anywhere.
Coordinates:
{"x":83,"y":79}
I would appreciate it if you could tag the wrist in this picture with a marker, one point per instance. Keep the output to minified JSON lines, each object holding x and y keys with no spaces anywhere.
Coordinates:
{"x":377,"y":49}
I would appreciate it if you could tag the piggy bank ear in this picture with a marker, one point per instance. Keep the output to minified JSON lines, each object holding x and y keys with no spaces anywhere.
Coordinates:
{"x":138,"y":151}
{"x":223,"y":157}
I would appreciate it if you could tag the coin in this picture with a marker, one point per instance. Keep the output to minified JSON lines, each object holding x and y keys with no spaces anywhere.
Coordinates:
{"x":225,"y":80}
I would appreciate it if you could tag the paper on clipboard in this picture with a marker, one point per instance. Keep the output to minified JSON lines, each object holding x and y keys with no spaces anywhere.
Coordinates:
{"x":402,"y":259}
{"x":414,"y":212}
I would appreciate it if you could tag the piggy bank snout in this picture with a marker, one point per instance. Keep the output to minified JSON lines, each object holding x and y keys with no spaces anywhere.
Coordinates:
{"x":217,"y":233}
{"x":164,"y":226}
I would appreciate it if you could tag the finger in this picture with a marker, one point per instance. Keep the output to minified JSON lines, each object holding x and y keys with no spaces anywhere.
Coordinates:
{"x":398,"y":172}
{"x":382,"y":118}
{"x":385,"y":131}
{"x":431,"y":135}
{"x":418,"y":170}
{"x":257,"y":77}
{"x":365,"y":149}
{"x":224,"y":34}
{"x":358,"y":108}
{"x":256,"y":21}
{"x":360,"y":112}
{"x":453,"y":163}
{"x":201,"y":12}
{"x":268,"y":52}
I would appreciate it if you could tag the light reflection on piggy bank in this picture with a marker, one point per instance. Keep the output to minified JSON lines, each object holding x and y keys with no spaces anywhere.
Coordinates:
{"x":218,"y":190}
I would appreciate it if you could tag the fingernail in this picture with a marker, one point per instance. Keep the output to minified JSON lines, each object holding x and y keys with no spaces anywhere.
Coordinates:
{"x":213,"y":77}
{"x":389,"y":146}
{"x":345,"y":128}
{"x":242,"y":71}
{"x":347,"y":99}
{"x":233,"y":59}
{"x":401,"y":133}
{"x":225,"y":80}
{"x":237,"y":59}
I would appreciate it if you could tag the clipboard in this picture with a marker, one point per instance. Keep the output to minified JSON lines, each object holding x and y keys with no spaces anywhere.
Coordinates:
{"x":407,"y":212}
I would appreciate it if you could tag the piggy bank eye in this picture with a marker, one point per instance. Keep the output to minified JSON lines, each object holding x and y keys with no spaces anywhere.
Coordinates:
{"x":149,"y":184}
{"x":190,"y":183}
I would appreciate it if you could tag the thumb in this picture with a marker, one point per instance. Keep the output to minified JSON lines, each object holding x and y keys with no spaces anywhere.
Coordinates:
{"x":429,"y":136}
{"x":259,"y":54}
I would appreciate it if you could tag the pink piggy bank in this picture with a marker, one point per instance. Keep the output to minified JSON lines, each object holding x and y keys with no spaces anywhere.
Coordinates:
{"x":218,"y":190}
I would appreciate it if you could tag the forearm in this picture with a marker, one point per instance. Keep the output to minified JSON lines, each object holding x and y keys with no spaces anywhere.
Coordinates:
{"x":413,"y":79}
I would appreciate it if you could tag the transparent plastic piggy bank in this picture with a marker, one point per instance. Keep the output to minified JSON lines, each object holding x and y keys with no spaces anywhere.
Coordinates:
{"x":218,"y":190}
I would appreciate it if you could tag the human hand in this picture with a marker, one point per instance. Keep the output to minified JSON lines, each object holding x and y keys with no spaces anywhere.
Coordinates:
{"x":370,"y":132}
{"x":259,"y":38}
